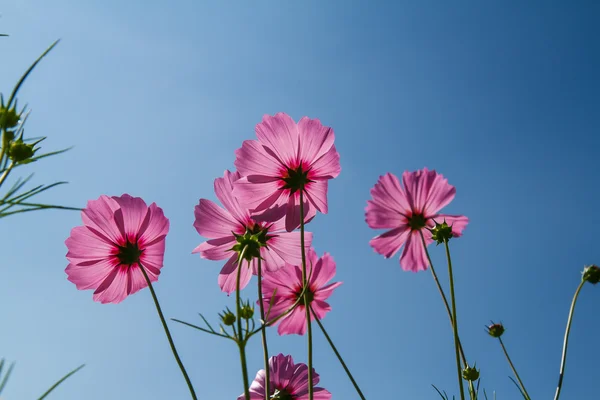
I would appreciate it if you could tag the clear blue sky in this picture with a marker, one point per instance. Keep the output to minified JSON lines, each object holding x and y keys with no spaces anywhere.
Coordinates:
{"x":503,"y":99}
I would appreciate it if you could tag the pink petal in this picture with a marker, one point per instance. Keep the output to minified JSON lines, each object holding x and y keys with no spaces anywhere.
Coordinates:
{"x":214,"y":222}
{"x":457,"y":222}
{"x":136,"y":280}
{"x":228,"y":276}
{"x":158,"y":226}
{"x":257,"y":195}
{"x":114,"y":288}
{"x":388,"y":243}
{"x":318,"y":394}
{"x":83,"y":245}
{"x":326,"y":291}
{"x":280,"y":134}
{"x":320,"y":308}
{"x":294,"y":322}
{"x":292,"y":216}
{"x":414,"y":257}
{"x":98,"y":216}
{"x":257,"y":388}
{"x":216,"y":249}
{"x":131,"y":216}
{"x":322,"y":272}
{"x":89,"y":276}
{"x":316,"y":192}
{"x":388,"y":194}
{"x":224,"y":191}
{"x":287,"y":246}
{"x":282,"y":370}
{"x":252,"y":159}
{"x":440,"y":195}
{"x":327,"y":166}
{"x":315,"y":139}
{"x":380,"y":217}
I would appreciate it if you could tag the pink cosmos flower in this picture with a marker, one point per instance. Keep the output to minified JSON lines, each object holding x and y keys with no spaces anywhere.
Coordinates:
{"x":118,"y":235}
{"x":287,"y":158}
{"x":287,"y":286}
{"x":407,"y":212}
{"x":232,"y":226}
{"x":288,"y":381}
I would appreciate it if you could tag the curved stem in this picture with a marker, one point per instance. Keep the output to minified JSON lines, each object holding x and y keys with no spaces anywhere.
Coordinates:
{"x":264,"y":332}
{"x":168,"y":333}
{"x":362,"y":396}
{"x":563,"y":360}
{"x":306,"y":299}
{"x":514,"y":370}
{"x":455,"y":324}
{"x":240,"y":337}
{"x":439,"y":286}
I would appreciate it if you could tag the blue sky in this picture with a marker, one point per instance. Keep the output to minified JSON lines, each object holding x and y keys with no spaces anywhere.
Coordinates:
{"x":156,"y":96}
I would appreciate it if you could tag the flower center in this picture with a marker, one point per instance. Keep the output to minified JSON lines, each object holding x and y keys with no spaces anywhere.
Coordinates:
{"x":281,"y":394}
{"x":416,"y":222}
{"x":296,"y":179}
{"x":252,"y":240}
{"x":309,"y":294}
{"x":129,"y":254}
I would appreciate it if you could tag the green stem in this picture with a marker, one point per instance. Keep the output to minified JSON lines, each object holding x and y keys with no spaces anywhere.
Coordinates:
{"x":563,"y":360}
{"x":264,"y":332}
{"x":439,"y":286}
{"x":514,"y":370}
{"x":306,"y":299}
{"x":241,"y":341}
{"x":362,"y":396}
{"x":168,"y":333}
{"x":5,"y":174}
{"x":455,"y":320}
{"x":61,"y":380}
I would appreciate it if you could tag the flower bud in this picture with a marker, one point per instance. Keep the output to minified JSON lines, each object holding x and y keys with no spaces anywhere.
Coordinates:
{"x":495,"y":330}
{"x":20,"y":151}
{"x":470,"y":373}
{"x":228,"y":317}
{"x":9,"y":118}
{"x":441,"y":233}
{"x":591,"y":273}
{"x":247,"y":311}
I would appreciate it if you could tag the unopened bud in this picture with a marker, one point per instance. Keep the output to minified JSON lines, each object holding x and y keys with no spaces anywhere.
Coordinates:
{"x":591,"y":273}
{"x":470,"y":373}
{"x":495,"y":330}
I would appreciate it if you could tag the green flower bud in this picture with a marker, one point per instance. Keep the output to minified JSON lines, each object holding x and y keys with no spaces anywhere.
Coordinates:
{"x":247,"y":311}
{"x":591,"y":273}
{"x":9,"y":118}
{"x":228,"y":317}
{"x":441,"y":233}
{"x":19,"y":151}
{"x":470,"y":373}
{"x":495,"y":330}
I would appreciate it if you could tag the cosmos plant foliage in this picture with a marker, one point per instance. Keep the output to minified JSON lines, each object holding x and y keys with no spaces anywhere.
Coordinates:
{"x":259,"y":229}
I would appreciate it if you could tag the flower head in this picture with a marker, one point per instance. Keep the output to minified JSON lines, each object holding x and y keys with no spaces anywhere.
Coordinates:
{"x":288,"y":381}
{"x":407,"y":211}
{"x":118,"y":236}
{"x":495,"y":330}
{"x":232,"y":228}
{"x":284,"y":287}
{"x":287,"y":159}
{"x":591,"y":273}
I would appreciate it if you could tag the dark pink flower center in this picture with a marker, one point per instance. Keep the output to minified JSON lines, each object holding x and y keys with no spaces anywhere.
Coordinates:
{"x":295,"y":179}
{"x":129,"y":254}
{"x":310,"y":295}
{"x":416,"y":222}
{"x":281,"y":394}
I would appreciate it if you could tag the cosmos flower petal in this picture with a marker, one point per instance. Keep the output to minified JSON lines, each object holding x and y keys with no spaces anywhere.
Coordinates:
{"x":257,"y":195}
{"x":323,"y":271}
{"x":279,"y":134}
{"x":381,"y":217}
{"x":292,"y":216}
{"x":213,"y":221}
{"x":293,"y":323}
{"x":252,"y":159}
{"x":388,"y":194}
{"x":158,"y":226}
{"x":326,"y":166}
{"x":257,"y":388}
{"x":98,"y":216}
{"x":282,"y":369}
{"x":228,"y":276}
{"x":216,"y":249}
{"x":440,"y":194}
{"x":317,"y":195}
{"x":135,"y":221}
{"x":84,"y":245}
{"x":287,"y":246}
{"x":114,"y":288}
{"x":317,"y":139}
{"x":388,"y":243}
{"x":318,"y":394}
{"x":89,"y":276}
{"x":413,"y":256}
{"x":326,"y":291}
{"x":224,"y":191}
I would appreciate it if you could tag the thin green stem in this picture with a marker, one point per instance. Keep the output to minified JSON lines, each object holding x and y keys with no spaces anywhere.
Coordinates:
{"x":306,"y":300}
{"x":439,"y":286}
{"x":241,"y":341}
{"x":6,"y":172}
{"x":168,"y":333}
{"x":514,"y":370}
{"x":264,"y":332}
{"x":455,"y":320}
{"x":563,"y":360}
{"x":61,"y":380}
{"x":337,"y":353}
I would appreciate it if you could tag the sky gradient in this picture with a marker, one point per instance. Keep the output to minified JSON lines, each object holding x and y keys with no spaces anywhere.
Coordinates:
{"x":503,"y":99}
